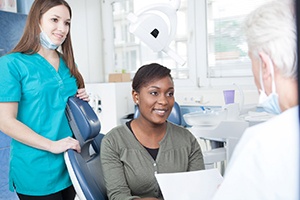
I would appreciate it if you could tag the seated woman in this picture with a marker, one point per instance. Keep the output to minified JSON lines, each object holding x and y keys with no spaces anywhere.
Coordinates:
{"x":131,"y":154}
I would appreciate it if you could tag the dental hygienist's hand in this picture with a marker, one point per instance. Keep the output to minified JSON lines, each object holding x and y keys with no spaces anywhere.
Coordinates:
{"x":64,"y":144}
{"x":81,"y":94}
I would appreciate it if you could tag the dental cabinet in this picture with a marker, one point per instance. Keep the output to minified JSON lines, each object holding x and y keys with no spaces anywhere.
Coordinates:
{"x":111,"y":102}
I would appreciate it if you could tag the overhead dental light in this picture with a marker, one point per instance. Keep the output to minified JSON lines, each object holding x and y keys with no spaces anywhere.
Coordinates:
{"x":152,"y":28}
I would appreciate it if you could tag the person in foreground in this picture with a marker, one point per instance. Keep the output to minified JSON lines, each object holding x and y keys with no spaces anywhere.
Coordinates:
{"x":36,"y":81}
{"x":131,"y":154}
{"x":265,"y":163}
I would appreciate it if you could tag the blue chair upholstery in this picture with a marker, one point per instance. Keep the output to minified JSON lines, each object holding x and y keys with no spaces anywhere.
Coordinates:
{"x":82,"y":119}
{"x":174,"y":117}
{"x":85,"y":168}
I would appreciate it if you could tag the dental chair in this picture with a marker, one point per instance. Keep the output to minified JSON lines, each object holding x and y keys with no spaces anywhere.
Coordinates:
{"x":174,"y":117}
{"x":85,"y":168}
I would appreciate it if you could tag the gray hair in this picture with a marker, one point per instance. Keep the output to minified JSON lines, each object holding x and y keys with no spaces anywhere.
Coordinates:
{"x":272,"y":29}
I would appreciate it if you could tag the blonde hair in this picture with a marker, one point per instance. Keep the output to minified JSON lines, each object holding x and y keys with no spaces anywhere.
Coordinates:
{"x":272,"y":29}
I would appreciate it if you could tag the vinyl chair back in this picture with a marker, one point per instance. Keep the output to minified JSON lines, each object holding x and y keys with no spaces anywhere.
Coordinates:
{"x":174,"y":117}
{"x":85,"y":168}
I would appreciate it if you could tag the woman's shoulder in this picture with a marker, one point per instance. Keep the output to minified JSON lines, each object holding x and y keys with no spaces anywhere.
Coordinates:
{"x":119,"y":128}
{"x":179,"y":137}
{"x":120,"y":137}
{"x":8,"y":57}
{"x":9,"y":62}
{"x":15,"y":56}
{"x":117,"y":133}
{"x":179,"y":131}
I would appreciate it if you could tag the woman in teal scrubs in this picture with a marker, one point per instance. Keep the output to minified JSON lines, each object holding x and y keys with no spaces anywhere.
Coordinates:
{"x":36,"y":81}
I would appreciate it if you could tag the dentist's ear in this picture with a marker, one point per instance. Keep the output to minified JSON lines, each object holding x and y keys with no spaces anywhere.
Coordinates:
{"x":266,"y":69}
{"x":265,"y":65}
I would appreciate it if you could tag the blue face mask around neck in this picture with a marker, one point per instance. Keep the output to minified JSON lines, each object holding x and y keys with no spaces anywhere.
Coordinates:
{"x":269,"y":103}
{"x":46,"y":41}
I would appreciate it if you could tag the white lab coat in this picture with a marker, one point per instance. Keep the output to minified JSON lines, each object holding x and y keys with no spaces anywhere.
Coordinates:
{"x":265,"y":163}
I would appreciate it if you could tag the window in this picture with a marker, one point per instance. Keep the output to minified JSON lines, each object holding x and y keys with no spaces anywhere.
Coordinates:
{"x":227,"y":53}
{"x":130,"y":53}
{"x":208,"y":37}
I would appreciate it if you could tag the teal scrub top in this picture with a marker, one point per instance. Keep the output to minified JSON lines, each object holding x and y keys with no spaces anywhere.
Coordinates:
{"x":41,"y":93}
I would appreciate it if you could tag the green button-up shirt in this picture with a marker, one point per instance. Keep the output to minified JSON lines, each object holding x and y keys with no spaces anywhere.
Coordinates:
{"x":129,"y":170}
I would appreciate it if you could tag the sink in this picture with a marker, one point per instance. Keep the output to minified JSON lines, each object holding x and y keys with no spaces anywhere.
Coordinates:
{"x":207,"y":117}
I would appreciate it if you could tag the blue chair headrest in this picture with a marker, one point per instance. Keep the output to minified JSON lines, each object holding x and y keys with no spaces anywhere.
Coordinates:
{"x":82,"y":117}
{"x":175,"y":115}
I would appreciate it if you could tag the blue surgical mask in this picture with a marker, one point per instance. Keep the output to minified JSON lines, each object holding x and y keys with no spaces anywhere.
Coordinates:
{"x":269,"y":103}
{"x":46,"y":41}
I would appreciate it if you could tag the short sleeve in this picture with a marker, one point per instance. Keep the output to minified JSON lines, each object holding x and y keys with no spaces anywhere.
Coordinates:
{"x":10,"y":87}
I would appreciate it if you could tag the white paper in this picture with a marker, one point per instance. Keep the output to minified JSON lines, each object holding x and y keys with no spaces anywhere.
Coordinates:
{"x":194,"y":185}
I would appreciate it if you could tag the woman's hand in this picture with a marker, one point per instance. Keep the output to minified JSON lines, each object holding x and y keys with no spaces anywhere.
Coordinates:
{"x":81,"y":94}
{"x":64,"y":144}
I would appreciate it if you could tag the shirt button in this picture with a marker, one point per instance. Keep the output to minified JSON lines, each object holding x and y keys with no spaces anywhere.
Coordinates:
{"x":154,"y":164}
{"x":155,"y":172}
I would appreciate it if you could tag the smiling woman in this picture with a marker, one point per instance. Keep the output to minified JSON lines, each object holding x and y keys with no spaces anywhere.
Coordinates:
{"x":153,"y":92}
{"x":36,"y":82}
{"x":132,"y":153}
{"x":54,"y":29}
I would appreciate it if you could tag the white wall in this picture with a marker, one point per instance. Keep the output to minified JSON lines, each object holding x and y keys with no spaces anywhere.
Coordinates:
{"x":214,"y":96}
{"x":87,"y":38}
{"x":116,"y":102}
